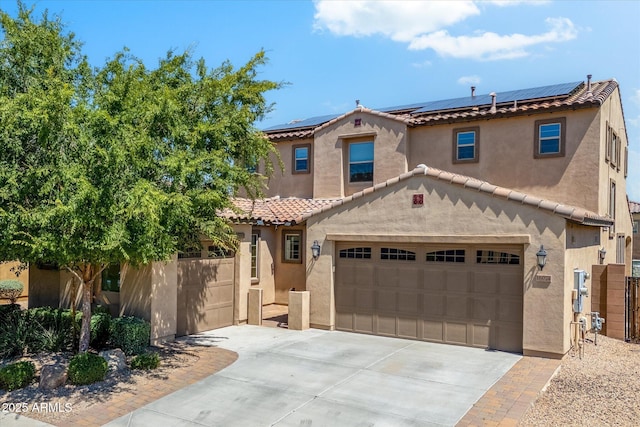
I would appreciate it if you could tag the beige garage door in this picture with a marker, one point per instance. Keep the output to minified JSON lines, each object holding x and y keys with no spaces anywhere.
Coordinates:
{"x":205,"y":293}
{"x":469,"y":295}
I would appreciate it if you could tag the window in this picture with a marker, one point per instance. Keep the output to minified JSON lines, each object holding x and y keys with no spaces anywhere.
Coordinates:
{"x":361,"y":162}
{"x":301,"y":158}
{"x":255,"y":246}
{"x":626,"y":161}
{"x":190,"y":253}
{"x":219,"y":252}
{"x":635,"y":227}
{"x":292,"y":246}
{"x":359,"y":253}
{"x":612,"y":208}
{"x":450,"y":255}
{"x":496,"y":257}
{"x":397,"y":254}
{"x":550,"y":138}
{"x":465,"y":145}
{"x":111,"y":278}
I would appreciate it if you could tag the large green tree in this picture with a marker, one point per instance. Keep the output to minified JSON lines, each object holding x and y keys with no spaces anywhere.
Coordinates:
{"x":119,"y":163}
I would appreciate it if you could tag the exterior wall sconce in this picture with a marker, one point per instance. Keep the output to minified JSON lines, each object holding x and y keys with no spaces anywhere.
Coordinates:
{"x":542,"y":257}
{"x":602,"y":252}
{"x":315,"y":249}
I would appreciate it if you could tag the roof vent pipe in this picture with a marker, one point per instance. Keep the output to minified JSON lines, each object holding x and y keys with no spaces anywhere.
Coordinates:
{"x":589,"y":93}
{"x":493,"y":102}
{"x":473,"y":91}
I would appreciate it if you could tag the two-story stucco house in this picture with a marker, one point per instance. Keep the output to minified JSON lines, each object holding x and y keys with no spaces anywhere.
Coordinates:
{"x":429,"y":216}
{"x":429,"y":221}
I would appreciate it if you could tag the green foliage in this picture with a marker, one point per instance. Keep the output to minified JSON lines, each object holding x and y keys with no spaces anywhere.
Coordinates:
{"x":100,"y":324}
{"x":7,"y":309}
{"x":16,"y":337}
{"x":121,"y":163}
{"x":130,"y":334}
{"x":53,"y":328}
{"x":87,"y":368}
{"x":101,"y":309}
{"x":147,"y":361}
{"x":11,"y":290}
{"x":17,"y":375}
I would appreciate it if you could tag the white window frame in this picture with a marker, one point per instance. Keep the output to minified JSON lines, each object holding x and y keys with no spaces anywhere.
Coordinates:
{"x":255,"y":256}
{"x":289,"y":253}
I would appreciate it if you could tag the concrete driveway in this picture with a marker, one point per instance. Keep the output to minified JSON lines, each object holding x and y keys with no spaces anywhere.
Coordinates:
{"x":321,"y":378}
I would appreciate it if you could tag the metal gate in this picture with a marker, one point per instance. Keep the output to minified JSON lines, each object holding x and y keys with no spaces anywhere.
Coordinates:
{"x":631,"y":320}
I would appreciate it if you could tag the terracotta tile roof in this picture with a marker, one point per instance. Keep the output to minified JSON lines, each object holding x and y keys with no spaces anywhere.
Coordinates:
{"x":580,"y":97}
{"x":273,"y":210}
{"x":572,"y":213}
{"x":634,"y":207}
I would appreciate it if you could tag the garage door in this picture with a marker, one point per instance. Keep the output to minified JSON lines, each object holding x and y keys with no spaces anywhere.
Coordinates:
{"x":205,"y":291}
{"x":468,"y":295}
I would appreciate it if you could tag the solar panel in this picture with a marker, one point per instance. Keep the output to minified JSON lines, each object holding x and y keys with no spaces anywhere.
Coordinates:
{"x":311,"y":122}
{"x":501,"y":97}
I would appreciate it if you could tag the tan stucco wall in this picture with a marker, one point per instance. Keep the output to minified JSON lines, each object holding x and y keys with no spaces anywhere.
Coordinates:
{"x":289,"y":275}
{"x":6,"y":273}
{"x":453,"y":212}
{"x":331,"y":157}
{"x":45,"y":287}
{"x":506,"y":142}
{"x":242,"y":273}
{"x":150,"y":292}
{"x":285,"y":183}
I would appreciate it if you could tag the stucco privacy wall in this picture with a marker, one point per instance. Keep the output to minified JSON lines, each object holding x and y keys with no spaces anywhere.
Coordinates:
{"x":331,"y":155}
{"x":451,"y":213}
{"x":8,"y":272}
{"x":242,"y":273}
{"x":504,"y":142}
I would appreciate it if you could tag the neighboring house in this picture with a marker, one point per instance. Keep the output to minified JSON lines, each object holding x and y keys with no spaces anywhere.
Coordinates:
{"x":634,"y":208}
{"x":428,"y":218}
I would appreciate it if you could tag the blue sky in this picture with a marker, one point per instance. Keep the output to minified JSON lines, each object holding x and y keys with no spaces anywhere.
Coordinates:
{"x":382,"y":53}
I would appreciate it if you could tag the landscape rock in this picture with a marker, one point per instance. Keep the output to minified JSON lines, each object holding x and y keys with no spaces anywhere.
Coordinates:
{"x":115,"y":358}
{"x":53,"y":376}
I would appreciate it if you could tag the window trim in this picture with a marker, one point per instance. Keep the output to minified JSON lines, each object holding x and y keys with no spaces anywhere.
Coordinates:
{"x":476,"y":144}
{"x":612,"y":208}
{"x":294,"y":169}
{"x":256,"y":278}
{"x":563,"y":133}
{"x":286,"y":233}
{"x":349,"y":162}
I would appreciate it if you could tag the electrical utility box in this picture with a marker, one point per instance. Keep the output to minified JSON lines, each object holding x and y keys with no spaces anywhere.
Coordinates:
{"x":579,"y":278}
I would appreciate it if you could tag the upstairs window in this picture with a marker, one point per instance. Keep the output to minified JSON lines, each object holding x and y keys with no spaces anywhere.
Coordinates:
{"x":465,"y":145}
{"x":301,"y":158}
{"x":361,"y":162}
{"x":635,"y":227}
{"x":550,"y":138}
{"x":111,"y":278}
{"x":612,"y":207}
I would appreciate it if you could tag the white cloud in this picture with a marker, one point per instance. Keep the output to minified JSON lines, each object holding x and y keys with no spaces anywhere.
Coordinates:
{"x":399,"y":20}
{"x":423,"y":25}
{"x":491,"y":46}
{"x":469,"y":80}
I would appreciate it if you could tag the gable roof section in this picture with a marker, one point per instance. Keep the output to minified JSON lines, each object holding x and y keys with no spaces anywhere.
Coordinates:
{"x":634,"y":207}
{"x":572,"y":213}
{"x":511,"y":103}
{"x":273,"y":211}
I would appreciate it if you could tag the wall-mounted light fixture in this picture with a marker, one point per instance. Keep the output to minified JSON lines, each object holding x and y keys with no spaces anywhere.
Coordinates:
{"x":315,"y":249}
{"x":602,"y":252}
{"x":542,"y":257}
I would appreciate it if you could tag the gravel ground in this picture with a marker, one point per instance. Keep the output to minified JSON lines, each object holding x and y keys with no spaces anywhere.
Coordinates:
{"x":601,"y":389}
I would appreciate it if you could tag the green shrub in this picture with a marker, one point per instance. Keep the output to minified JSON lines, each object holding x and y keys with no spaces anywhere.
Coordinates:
{"x":87,"y":368}
{"x":17,"y":375}
{"x":100,"y":324}
{"x":55,"y":332}
{"x":145,"y":361}
{"x":100,"y":309}
{"x":11,"y":290}
{"x":130,"y":334}
{"x":16,"y":335}
{"x":7,"y":309}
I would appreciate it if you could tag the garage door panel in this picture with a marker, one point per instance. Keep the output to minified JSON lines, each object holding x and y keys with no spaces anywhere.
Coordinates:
{"x":433,"y":305}
{"x":443,"y":300}
{"x":455,"y":333}
{"x":433,"y":330}
{"x":363,"y":322}
{"x":408,"y":327}
{"x":456,"y":306}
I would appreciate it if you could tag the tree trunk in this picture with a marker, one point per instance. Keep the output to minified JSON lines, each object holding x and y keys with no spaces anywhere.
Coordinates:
{"x":87,"y":296}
